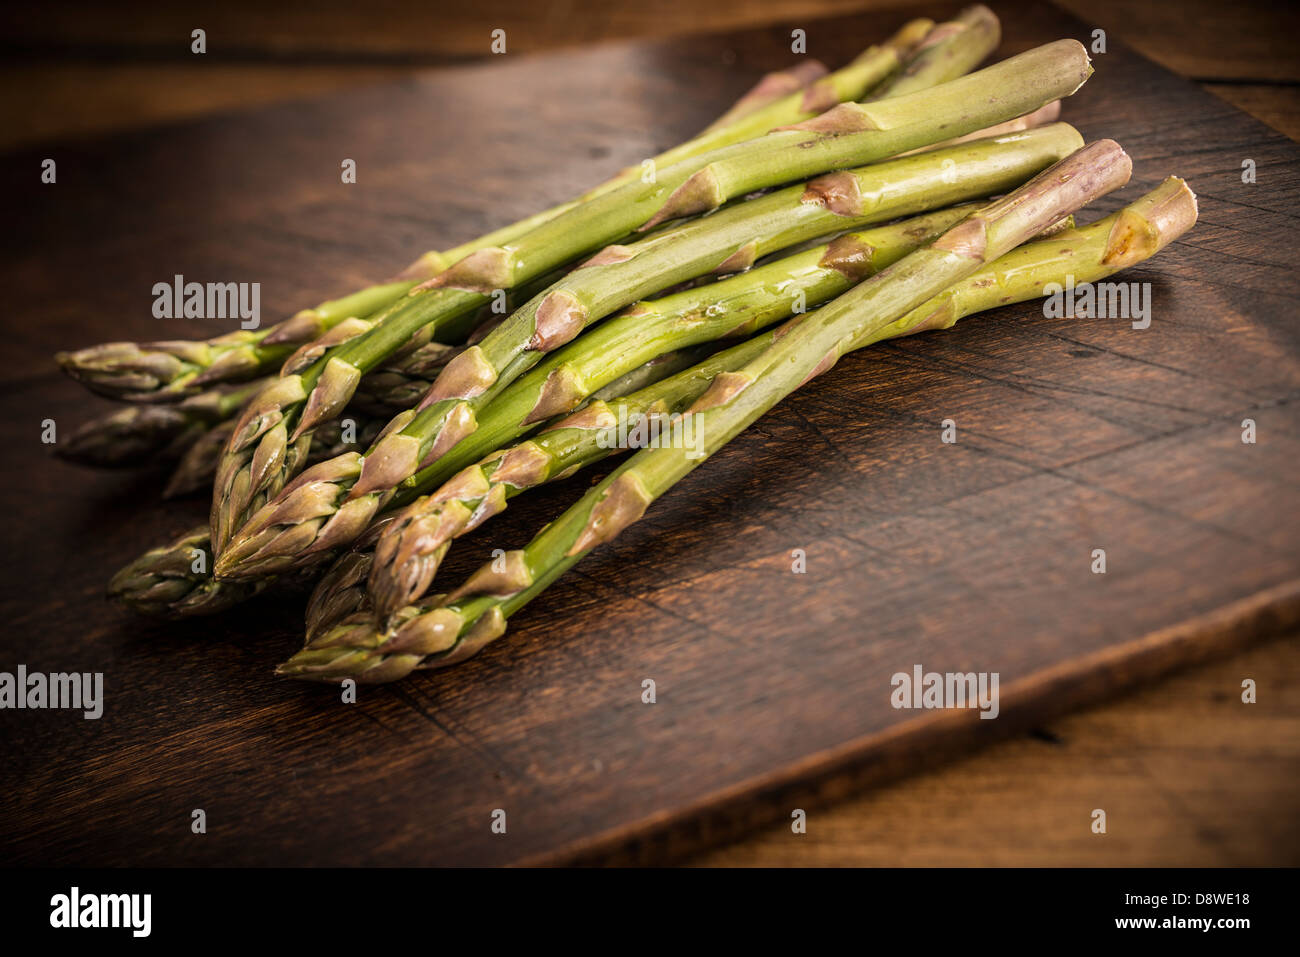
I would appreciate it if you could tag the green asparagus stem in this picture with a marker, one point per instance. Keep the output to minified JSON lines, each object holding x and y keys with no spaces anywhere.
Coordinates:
{"x":660,"y":367}
{"x":194,"y":471}
{"x":933,"y":54}
{"x":268,"y":444}
{"x":145,"y":435}
{"x":738,"y":305}
{"x":1085,"y":254}
{"x":949,"y":50}
{"x":173,"y":581}
{"x":401,"y":562}
{"x":330,"y":504}
{"x":1040,"y":117}
{"x":852,"y":133}
{"x":774,"y":86}
{"x":410,"y":551}
{"x":453,"y":628}
{"x":168,"y":371}
{"x":864,"y":75}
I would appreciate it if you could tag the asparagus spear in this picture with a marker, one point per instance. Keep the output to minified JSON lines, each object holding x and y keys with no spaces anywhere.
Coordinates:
{"x":740,"y":304}
{"x":951,"y":49}
{"x":401,"y":562}
{"x":451,"y":629}
{"x":164,"y":582}
{"x":333,"y":502}
{"x":169,"y":581}
{"x":837,"y":138}
{"x":930,"y":53}
{"x":341,"y":591}
{"x":166,"y":371}
{"x":410,"y":550}
{"x":172,"y":581}
{"x":170,"y":370}
{"x":267,"y":446}
{"x":413,"y":545}
{"x":143,"y":435}
{"x":777,"y":85}
{"x":852,"y":82}
{"x":195,"y":469}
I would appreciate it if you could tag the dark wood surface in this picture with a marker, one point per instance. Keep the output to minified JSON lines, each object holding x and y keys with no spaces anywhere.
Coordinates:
{"x":1073,"y":435}
{"x":1188,"y":774}
{"x":73,"y":67}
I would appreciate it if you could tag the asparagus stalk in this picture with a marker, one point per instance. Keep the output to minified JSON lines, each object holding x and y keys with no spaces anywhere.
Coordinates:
{"x":660,"y":367}
{"x":144,"y":435}
{"x":413,"y":546}
{"x":196,"y":467}
{"x":341,"y":591}
{"x":852,"y":133}
{"x":852,"y":82}
{"x":738,"y":305}
{"x":1084,"y":254}
{"x":775,"y":86}
{"x":1049,"y":113}
{"x":167,"y":371}
{"x":401,"y":562}
{"x":173,"y":582}
{"x":410,"y":551}
{"x":170,"y":581}
{"x":266,"y":447}
{"x":457,"y":626}
{"x":929,"y":54}
{"x":171,"y":370}
{"x":332,"y":503}
{"x":949,"y":50}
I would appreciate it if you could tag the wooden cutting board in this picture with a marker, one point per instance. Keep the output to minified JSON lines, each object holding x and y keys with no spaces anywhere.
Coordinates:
{"x":773,"y":688}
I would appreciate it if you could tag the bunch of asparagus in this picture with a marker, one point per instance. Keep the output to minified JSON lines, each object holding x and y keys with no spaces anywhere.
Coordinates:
{"x":351,"y":444}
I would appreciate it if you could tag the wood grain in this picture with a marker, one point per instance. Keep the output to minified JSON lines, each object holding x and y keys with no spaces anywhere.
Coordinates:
{"x":1188,"y":774}
{"x":1276,"y":105}
{"x":974,"y":556}
{"x":76,"y":68}
{"x":1201,"y":38}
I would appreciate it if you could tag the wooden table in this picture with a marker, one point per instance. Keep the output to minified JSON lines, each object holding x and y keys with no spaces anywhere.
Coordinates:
{"x":1183,"y":745}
